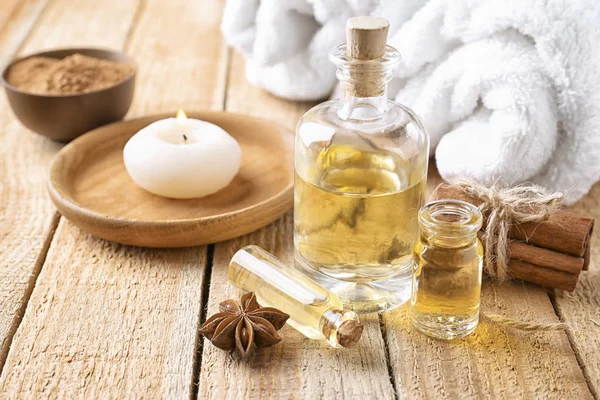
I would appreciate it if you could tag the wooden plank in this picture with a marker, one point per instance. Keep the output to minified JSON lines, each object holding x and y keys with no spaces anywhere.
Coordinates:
{"x":181,"y":57}
{"x":297,"y":367}
{"x":107,"y":320}
{"x":581,"y":309}
{"x":7,"y":8}
{"x":26,"y":218}
{"x":82,"y":24}
{"x":16,"y":20}
{"x":493,"y":362}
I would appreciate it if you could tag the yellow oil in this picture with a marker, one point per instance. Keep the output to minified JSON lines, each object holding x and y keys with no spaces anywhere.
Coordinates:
{"x":446,"y":288}
{"x":355,"y":212}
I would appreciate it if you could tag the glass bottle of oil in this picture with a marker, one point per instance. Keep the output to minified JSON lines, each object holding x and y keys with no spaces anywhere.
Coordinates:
{"x":314,"y":311}
{"x":447,"y":270}
{"x":361,"y":166}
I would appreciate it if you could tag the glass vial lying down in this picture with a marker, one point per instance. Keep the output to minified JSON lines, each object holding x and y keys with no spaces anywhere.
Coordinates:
{"x":314,"y":311}
{"x":447,"y":270}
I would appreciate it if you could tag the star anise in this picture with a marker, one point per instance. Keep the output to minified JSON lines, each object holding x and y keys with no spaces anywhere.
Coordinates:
{"x":243,"y":327}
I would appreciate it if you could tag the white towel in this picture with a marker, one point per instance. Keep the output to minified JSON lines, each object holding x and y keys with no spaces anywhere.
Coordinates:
{"x":509,"y":89}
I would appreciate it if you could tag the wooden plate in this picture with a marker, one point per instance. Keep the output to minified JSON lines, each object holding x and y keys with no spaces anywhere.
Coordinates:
{"x":90,"y":186}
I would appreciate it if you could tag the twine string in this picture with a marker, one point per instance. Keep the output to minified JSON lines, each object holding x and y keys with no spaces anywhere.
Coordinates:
{"x":522,"y":326}
{"x":506,"y":206}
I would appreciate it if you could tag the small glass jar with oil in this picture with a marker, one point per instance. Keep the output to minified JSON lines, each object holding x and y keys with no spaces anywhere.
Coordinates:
{"x":448,"y":260}
{"x":361,"y":167}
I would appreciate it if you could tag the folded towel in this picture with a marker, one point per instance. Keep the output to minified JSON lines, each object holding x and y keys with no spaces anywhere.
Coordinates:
{"x":509,"y":90}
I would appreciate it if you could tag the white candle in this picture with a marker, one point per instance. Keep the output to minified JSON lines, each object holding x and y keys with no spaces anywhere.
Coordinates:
{"x":182,"y":158}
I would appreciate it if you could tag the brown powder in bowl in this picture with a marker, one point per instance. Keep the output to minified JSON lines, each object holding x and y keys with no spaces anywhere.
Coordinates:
{"x":74,"y":74}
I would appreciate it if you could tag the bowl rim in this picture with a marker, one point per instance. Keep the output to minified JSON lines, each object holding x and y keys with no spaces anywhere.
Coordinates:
{"x":46,"y":53}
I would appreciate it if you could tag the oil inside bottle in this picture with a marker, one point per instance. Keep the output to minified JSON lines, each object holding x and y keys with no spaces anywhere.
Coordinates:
{"x":356,"y":213}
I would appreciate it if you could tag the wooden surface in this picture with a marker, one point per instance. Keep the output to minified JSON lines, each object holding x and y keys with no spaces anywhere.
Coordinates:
{"x":91,"y":188}
{"x":81,"y":317}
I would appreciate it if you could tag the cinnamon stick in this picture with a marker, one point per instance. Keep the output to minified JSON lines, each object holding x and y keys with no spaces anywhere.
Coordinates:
{"x":565,"y":231}
{"x":545,"y":258}
{"x":542,"y":276}
{"x":543,"y":266}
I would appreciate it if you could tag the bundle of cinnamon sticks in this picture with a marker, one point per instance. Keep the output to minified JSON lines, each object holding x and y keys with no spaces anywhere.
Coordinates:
{"x":550,"y":253}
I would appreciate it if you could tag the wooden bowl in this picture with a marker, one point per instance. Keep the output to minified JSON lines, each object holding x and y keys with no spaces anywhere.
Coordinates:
{"x":90,"y":186}
{"x":64,"y":117}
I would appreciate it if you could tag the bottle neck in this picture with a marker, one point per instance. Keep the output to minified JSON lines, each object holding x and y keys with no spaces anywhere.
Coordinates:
{"x":432,"y":239}
{"x":364,"y":83}
{"x":352,"y":106}
{"x":449,"y":223}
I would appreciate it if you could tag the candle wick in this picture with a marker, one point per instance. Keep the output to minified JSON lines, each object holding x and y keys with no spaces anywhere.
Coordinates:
{"x":184,"y":138}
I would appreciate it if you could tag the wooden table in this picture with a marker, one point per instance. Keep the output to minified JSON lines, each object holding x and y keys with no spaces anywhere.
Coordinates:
{"x":83,"y":317}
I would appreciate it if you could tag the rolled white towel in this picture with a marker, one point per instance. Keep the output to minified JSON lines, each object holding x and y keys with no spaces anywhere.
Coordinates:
{"x":287,"y":54}
{"x":509,"y":90}
{"x":286,"y":42}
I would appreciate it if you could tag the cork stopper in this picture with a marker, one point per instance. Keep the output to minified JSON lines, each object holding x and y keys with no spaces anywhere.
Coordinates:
{"x":349,"y":333}
{"x":366,"y":37}
{"x":365,"y":40}
{"x":341,"y":327}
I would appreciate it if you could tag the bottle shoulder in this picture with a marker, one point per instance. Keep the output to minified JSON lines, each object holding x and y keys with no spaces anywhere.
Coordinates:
{"x":328,"y":113}
{"x":397,"y":126}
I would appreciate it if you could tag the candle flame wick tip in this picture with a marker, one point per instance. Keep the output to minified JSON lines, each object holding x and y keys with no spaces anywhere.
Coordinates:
{"x":181,"y":115}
